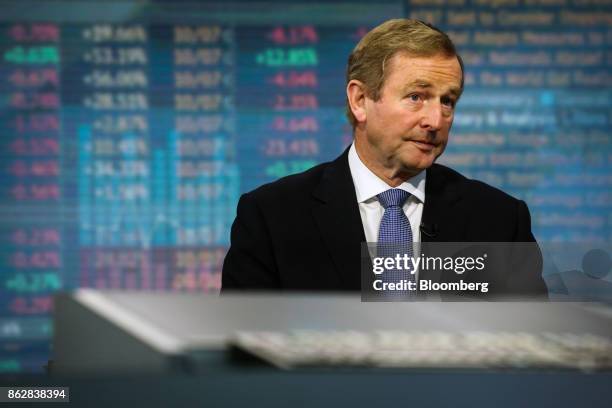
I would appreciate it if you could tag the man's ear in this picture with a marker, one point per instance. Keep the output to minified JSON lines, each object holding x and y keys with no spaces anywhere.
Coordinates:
{"x":355,"y":92}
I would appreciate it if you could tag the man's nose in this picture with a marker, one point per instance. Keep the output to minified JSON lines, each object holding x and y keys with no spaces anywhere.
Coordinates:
{"x":432,"y":116}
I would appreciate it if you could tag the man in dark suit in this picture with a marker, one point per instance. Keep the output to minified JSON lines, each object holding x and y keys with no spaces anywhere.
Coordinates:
{"x":304,"y":232}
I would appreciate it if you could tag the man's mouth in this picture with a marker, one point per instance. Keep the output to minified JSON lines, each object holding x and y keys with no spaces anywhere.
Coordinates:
{"x":424,"y":145}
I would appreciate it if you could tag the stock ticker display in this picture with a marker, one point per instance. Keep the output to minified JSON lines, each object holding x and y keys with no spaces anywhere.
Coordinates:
{"x":130,"y":129}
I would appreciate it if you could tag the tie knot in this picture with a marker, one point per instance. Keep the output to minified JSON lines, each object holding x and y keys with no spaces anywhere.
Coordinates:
{"x":393,"y":197}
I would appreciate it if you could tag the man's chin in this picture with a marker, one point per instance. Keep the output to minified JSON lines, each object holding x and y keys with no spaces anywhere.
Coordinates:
{"x":420,"y":165}
{"x":411,"y":169}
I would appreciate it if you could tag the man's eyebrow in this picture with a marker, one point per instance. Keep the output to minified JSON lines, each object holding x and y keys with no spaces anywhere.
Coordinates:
{"x":418,"y":83}
{"x":421,"y":83}
{"x":455,"y":91}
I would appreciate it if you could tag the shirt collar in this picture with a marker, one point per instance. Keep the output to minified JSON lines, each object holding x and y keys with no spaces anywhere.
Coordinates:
{"x":368,"y":185}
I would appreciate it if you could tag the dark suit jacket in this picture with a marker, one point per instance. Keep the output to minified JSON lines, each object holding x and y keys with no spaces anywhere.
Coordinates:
{"x":304,"y":232}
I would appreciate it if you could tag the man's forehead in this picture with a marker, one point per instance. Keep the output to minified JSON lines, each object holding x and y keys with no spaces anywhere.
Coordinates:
{"x":428,"y":68}
{"x":436,"y":61}
{"x":408,"y":55}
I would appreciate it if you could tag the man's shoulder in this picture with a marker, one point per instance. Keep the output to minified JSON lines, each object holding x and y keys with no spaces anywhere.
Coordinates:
{"x":470,"y":188}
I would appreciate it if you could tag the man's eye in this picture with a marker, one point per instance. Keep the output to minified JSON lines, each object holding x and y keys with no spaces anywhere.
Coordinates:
{"x":414,"y":97}
{"x":448,"y":102}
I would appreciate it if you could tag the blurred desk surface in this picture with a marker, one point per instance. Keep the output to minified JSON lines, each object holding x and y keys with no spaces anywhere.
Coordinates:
{"x":200,"y":324}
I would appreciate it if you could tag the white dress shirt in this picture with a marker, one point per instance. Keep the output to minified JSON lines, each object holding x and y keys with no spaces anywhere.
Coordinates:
{"x":368,"y":186}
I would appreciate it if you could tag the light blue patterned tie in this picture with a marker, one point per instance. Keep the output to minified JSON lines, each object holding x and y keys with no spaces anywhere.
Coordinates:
{"x":395,"y":235}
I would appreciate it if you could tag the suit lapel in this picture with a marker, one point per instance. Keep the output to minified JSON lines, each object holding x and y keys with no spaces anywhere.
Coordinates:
{"x":336,"y":214}
{"x":442,"y":220}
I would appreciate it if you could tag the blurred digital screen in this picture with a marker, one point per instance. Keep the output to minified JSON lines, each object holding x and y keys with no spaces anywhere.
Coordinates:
{"x":130,"y":129}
